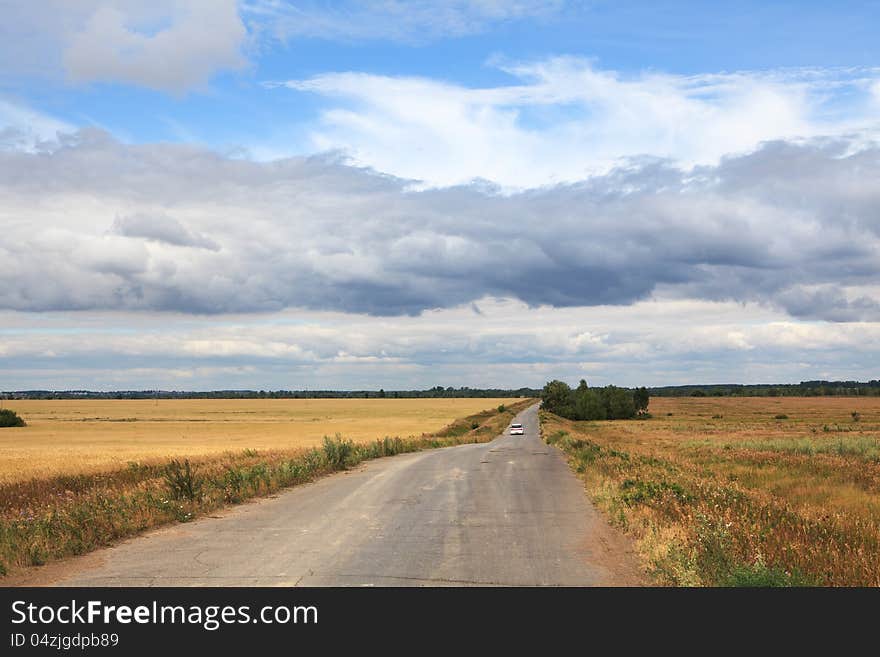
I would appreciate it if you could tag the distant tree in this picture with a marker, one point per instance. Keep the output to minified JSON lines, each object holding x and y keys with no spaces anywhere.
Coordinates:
{"x":9,"y":418}
{"x":585,"y":403}
{"x":381,"y":393}
{"x":641,"y":399}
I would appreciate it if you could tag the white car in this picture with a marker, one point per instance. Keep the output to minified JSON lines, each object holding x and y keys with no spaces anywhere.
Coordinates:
{"x":516,"y":429}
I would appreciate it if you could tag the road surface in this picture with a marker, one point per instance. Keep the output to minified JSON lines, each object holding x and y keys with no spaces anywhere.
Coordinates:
{"x":508,"y":512}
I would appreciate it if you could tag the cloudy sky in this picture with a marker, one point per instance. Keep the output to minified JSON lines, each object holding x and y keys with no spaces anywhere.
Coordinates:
{"x":211,"y":194}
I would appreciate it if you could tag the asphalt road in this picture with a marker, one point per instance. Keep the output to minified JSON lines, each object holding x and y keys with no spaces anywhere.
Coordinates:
{"x":508,"y":512}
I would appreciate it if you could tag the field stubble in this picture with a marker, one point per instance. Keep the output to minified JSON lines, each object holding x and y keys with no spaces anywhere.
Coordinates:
{"x":740,"y":491}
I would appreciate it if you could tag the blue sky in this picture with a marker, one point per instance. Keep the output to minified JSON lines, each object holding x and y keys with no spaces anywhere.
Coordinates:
{"x":268,"y":194}
{"x":230,"y":109}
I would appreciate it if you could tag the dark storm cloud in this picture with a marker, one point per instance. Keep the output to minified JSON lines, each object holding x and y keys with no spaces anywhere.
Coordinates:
{"x":800,"y":302}
{"x":90,"y":223}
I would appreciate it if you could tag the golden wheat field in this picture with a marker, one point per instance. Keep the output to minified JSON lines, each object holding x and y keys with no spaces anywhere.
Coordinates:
{"x":81,"y":436}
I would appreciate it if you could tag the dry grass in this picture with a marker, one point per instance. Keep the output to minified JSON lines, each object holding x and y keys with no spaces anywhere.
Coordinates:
{"x":722,"y":491}
{"x":83,"y":436}
{"x":42,"y":519}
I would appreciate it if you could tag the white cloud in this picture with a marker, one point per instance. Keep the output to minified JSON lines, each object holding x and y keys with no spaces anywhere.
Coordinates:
{"x":508,"y":345}
{"x":169,"y":45}
{"x":193,"y":40}
{"x":566,"y":119}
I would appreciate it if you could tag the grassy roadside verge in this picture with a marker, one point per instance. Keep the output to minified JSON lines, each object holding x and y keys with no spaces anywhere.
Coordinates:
{"x":721,"y":512}
{"x":47,"y":519}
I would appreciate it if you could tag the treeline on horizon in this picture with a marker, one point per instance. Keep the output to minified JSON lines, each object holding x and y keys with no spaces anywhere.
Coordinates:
{"x":802,"y":389}
{"x":431,"y":393}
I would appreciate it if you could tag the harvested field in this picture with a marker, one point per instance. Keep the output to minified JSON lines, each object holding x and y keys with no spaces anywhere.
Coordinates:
{"x":751,"y":491}
{"x":77,"y":437}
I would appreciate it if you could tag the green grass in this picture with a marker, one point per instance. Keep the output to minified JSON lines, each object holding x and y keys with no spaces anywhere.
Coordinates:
{"x":864,"y":447}
{"x":760,"y":575}
{"x":182,"y":481}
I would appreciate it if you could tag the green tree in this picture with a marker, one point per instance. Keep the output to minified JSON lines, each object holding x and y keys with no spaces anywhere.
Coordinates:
{"x":556,"y":397}
{"x":619,"y":404}
{"x":9,"y":418}
{"x":641,"y":399}
{"x":588,"y":405}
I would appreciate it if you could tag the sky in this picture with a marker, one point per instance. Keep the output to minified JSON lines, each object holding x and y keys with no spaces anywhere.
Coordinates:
{"x":275,"y":194}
